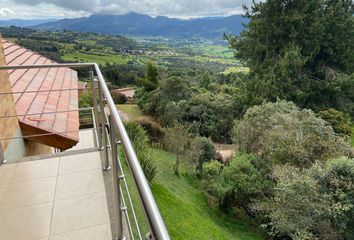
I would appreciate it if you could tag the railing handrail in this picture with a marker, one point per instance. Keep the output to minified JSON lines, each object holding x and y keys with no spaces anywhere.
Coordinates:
{"x":154,"y":217}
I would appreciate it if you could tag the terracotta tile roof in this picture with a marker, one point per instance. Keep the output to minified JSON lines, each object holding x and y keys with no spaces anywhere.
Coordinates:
{"x":25,"y":84}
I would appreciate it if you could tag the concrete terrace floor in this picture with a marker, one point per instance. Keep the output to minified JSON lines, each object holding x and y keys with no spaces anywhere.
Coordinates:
{"x":58,"y":198}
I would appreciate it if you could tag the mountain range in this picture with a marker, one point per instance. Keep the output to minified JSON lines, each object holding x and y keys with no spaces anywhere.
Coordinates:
{"x":24,"y":23}
{"x":145,"y":25}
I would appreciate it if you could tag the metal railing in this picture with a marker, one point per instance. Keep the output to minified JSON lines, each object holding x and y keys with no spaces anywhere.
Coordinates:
{"x":111,"y":133}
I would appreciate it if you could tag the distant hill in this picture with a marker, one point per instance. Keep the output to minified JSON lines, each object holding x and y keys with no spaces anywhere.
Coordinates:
{"x":24,"y":23}
{"x":139,"y":24}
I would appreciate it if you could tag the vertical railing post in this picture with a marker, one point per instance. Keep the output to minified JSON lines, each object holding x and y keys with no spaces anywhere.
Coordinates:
{"x":116,"y":180}
{"x":95,"y":107}
{"x":2,"y":155}
{"x":103,"y":124}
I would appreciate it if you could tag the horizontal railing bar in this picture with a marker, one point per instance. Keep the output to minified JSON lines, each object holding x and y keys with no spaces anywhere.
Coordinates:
{"x":47,"y":113}
{"x":156,"y":223}
{"x":39,"y":91}
{"x":54,"y":65}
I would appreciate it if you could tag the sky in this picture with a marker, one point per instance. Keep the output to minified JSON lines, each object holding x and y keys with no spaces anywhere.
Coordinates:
{"x":39,"y":9}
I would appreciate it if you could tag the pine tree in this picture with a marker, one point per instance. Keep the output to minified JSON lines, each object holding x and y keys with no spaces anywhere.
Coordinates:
{"x":299,"y":50}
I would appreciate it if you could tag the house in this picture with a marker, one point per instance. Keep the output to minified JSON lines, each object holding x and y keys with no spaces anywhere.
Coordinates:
{"x":39,"y":107}
{"x":75,"y":194}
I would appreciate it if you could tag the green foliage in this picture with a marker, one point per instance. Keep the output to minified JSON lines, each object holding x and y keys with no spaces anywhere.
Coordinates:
{"x":142,"y":147}
{"x":301,"y":51}
{"x":210,"y":115}
{"x":281,"y":133}
{"x":164,"y":100}
{"x":119,"y":98}
{"x":187,"y":211}
{"x":121,"y":75}
{"x":208,"y":152}
{"x":315,"y":203}
{"x":153,"y":129}
{"x":178,"y":141}
{"x":338,"y":120}
{"x":185,"y":100}
{"x":85,"y":100}
{"x":237,"y":184}
{"x":151,"y":81}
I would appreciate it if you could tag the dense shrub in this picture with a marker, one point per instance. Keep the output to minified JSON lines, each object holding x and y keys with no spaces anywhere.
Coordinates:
{"x":208,"y":152}
{"x":153,"y":129}
{"x":237,"y":184}
{"x":338,"y":120}
{"x":282,"y":133}
{"x":315,"y":203}
{"x":141,"y":145}
{"x":119,"y":98}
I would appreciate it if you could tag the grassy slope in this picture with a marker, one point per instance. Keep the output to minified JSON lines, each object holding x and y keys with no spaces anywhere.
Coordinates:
{"x":132,"y":110}
{"x":185,"y":208}
{"x":183,"y":205}
{"x":352,"y":138}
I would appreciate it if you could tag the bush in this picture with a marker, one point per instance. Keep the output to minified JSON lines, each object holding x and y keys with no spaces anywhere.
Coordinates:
{"x":281,"y":133}
{"x":238,"y":184}
{"x":207,"y":152}
{"x":338,"y":120}
{"x":119,"y":98}
{"x":153,"y":129}
{"x":142,"y":148}
{"x":315,"y":203}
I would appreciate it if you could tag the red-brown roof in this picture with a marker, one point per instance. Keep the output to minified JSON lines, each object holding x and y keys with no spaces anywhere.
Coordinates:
{"x":26,"y":82}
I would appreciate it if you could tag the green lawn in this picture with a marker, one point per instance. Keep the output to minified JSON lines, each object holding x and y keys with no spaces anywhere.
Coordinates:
{"x":352,"y":137}
{"x":132,"y":110}
{"x":81,"y":57}
{"x":185,"y":208}
{"x":235,"y":70}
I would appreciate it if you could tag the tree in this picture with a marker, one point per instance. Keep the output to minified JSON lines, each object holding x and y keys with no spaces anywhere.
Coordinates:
{"x":338,"y":120}
{"x":210,"y":115}
{"x":237,"y":184}
{"x":208,"y":153}
{"x":298,"y":208}
{"x":301,"y":51}
{"x":151,"y":81}
{"x":314,"y":203}
{"x":281,"y":133}
{"x":164,"y":101}
{"x":142,"y":147}
{"x":178,"y":141}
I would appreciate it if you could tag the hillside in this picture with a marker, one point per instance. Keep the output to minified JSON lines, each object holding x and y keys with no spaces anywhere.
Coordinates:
{"x":139,"y":24}
{"x":186,"y":209}
{"x":24,"y":23}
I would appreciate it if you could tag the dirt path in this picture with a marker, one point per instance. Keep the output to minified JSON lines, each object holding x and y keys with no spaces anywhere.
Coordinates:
{"x":226,"y":150}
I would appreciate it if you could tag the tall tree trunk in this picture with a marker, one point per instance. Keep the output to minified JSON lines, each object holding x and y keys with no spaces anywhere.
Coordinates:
{"x":176,"y":166}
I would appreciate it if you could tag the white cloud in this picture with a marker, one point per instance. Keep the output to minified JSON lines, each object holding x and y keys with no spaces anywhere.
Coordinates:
{"x":77,"y":8}
{"x":6,"y":13}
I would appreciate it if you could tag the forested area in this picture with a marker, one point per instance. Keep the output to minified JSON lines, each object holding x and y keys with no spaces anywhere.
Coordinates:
{"x":290,"y":117}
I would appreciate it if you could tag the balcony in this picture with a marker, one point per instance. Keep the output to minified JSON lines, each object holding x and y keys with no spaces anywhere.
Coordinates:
{"x":82,"y":192}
